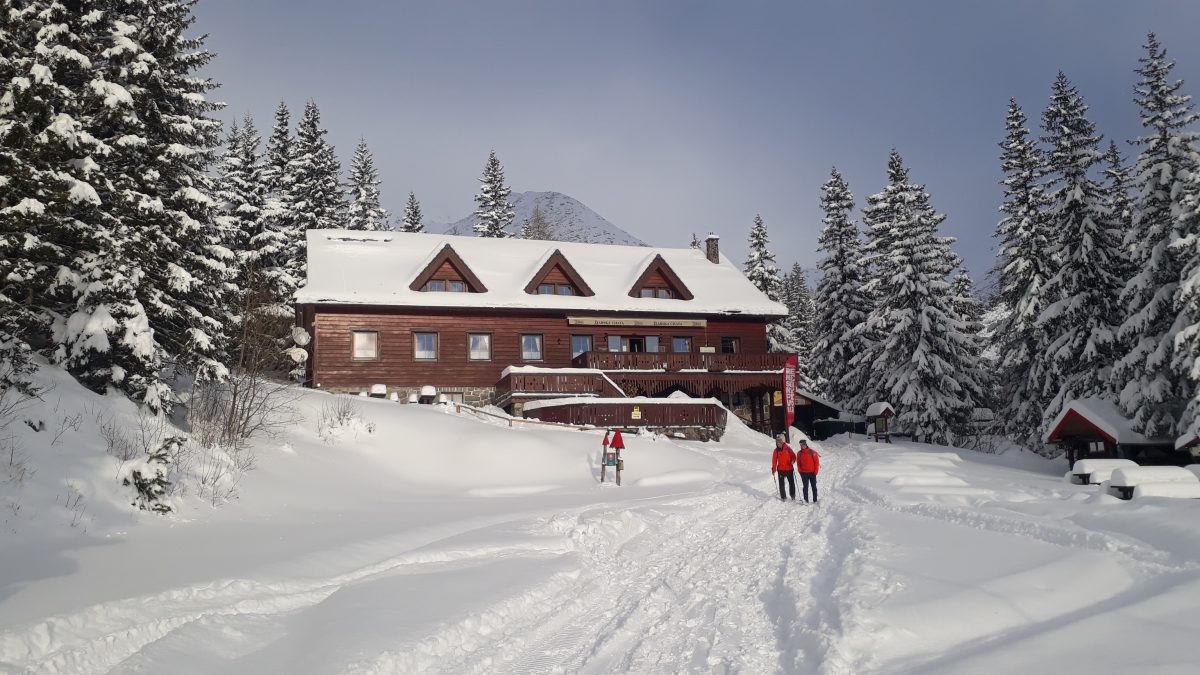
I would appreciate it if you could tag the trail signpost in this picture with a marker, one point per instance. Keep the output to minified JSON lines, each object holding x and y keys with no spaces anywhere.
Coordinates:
{"x":612,"y":455}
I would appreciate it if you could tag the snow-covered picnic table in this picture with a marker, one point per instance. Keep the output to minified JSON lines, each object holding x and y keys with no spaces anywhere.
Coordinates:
{"x":1124,"y":480}
{"x":1096,"y":471}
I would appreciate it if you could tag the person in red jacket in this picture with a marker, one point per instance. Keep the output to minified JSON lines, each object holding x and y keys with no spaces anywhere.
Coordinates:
{"x":781,"y":466}
{"x":809,"y":463}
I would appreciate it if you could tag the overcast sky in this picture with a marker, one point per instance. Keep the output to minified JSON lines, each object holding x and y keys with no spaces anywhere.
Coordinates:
{"x":669,"y":118}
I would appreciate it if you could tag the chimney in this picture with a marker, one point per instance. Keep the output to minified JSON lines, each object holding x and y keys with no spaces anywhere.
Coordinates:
{"x":712,"y":248}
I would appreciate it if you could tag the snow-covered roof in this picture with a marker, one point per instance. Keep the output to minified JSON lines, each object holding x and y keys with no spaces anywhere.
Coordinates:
{"x":817,"y":399}
{"x":1105,"y":417}
{"x":377,"y":268}
{"x":879,"y":408}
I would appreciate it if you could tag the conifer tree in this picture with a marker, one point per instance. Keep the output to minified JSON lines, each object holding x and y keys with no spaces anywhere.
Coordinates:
{"x":761,"y":271}
{"x":318,"y":202}
{"x":1155,"y":375}
{"x":279,"y":243}
{"x":920,"y":359}
{"x":841,"y":304}
{"x":799,"y":324}
{"x":365,"y":211}
{"x":242,"y":207}
{"x":1083,"y":316}
{"x":493,"y":211}
{"x":1024,"y":266}
{"x":412,"y":215}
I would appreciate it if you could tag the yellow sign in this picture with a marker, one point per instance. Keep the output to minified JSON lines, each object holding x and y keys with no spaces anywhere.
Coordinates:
{"x":778,"y":398}
{"x":637,"y":413}
{"x":648,"y":323}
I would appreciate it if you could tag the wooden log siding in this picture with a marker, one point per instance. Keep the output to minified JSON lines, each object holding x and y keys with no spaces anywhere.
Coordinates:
{"x":621,"y":414}
{"x":332,"y":364}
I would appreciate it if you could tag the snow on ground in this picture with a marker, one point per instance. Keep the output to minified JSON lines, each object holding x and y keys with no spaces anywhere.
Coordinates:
{"x":418,"y":540}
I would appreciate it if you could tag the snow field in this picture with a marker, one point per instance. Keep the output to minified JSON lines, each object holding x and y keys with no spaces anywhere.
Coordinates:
{"x":411,"y":539}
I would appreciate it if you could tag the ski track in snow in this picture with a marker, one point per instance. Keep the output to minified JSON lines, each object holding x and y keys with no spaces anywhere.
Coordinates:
{"x":731,"y":581}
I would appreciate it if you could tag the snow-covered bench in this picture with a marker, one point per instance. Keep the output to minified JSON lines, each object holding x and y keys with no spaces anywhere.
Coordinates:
{"x":1172,"y":490}
{"x":1096,"y":471}
{"x":1124,"y":481}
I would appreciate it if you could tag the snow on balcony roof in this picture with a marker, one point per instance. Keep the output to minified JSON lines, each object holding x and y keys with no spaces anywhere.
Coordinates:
{"x":376,"y":268}
{"x":1106,"y":417}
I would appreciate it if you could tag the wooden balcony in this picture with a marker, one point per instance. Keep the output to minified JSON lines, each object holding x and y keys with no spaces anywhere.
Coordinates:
{"x":549,"y":383}
{"x":649,"y":413}
{"x":675,"y":362}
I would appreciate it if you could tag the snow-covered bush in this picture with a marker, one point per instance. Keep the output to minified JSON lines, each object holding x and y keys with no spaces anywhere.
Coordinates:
{"x":339,"y":417}
{"x":148,"y":476}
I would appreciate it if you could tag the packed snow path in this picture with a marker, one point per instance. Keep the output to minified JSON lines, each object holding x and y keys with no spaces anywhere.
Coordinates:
{"x":916,"y":560}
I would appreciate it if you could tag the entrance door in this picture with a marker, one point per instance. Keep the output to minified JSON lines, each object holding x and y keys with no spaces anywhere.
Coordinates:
{"x":637,"y":344}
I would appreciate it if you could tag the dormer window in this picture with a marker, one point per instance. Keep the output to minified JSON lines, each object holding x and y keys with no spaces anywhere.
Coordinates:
{"x":658,"y":280}
{"x":557,"y":276}
{"x":447,"y":273}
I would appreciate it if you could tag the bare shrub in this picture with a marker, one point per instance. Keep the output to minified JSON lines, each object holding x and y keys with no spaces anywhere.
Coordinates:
{"x":15,"y":468}
{"x":340,"y":412}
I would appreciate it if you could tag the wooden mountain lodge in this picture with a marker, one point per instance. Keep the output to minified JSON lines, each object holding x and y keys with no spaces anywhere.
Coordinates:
{"x":512,"y":321}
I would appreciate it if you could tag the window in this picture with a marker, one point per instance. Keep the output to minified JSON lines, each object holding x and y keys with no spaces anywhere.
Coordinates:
{"x":531,"y":347}
{"x":730,"y":345}
{"x":647,"y":292}
{"x":479,"y":346}
{"x":437,"y":286}
{"x":682,"y":345}
{"x":555,"y":289}
{"x":425,"y":346}
{"x":652,"y":343}
{"x":442,"y":286}
{"x":664,"y":293}
{"x":580,"y":344}
{"x":453,"y":396}
{"x":458,"y":287}
{"x":614,"y":343}
{"x":365,"y":345}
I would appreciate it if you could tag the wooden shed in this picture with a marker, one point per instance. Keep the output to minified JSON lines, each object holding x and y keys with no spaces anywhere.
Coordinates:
{"x":1096,"y":428}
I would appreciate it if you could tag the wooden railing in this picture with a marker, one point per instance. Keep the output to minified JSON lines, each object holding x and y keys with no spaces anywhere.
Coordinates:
{"x":648,"y":414}
{"x":669,"y":361}
{"x":594,"y":384}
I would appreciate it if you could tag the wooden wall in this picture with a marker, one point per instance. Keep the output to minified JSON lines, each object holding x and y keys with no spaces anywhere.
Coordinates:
{"x":331,"y":364}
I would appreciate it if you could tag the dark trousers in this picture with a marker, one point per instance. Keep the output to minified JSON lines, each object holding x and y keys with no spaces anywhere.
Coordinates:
{"x":790,"y":479}
{"x":807,"y":479}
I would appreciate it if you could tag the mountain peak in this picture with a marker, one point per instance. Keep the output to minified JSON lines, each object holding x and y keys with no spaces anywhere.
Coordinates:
{"x":572,"y":220}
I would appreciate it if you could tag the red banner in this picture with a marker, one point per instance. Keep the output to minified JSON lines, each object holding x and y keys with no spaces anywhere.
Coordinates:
{"x":789,"y":391}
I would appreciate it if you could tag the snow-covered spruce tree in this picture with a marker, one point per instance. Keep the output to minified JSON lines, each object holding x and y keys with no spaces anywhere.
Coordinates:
{"x":64,"y":247}
{"x":1154,"y":374}
{"x":1023,"y":267}
{"x":841,"y":304}
{"x":278,"y":243}
{"x":318,"y":202}
{"x":153,"y":111}
{"x":365,"y":211}
{"x":537,"y":226}
{"x":1082,"y":317}
{"x":920,"y":362}
{"x":412,"y":215}
{"x":493,"y":210}
{"x":970,"y":310}
{"x":799,"y":324}
{"x":1120,"y":207}
{"x":243,"y":214}
{"x":761,"y":271}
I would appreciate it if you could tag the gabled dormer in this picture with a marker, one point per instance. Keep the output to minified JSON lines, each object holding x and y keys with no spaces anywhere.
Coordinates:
{"x":557,"y":276}
{"x":447,"y":272}
{"x":658,"y":280}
